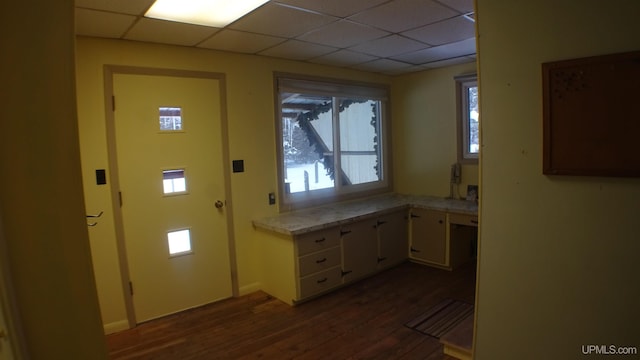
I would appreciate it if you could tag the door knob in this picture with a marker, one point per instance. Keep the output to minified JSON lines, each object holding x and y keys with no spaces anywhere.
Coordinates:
{"x":219,"y":204}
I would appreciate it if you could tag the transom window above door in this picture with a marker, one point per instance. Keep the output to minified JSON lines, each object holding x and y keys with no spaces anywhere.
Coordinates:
{"x":332,"y":140}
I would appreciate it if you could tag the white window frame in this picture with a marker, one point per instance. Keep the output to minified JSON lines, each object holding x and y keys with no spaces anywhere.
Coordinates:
{"x":463,"y":83}
{"x":286,"y":83}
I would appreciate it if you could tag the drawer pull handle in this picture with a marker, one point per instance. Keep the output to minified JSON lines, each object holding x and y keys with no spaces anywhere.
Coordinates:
{"x":414,"y":250}
{"x":322,"y":280}
{"x":321,"y":261}
{"x":474,"y":221}
{"x":318,"y":241}
{"x":346,"y":272}
{"x":344,"y":232}
{"x":381,"y":222}
{"x":381,"y":259}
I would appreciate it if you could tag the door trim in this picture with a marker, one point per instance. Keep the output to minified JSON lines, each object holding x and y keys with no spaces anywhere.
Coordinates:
{"x":109,"y":72}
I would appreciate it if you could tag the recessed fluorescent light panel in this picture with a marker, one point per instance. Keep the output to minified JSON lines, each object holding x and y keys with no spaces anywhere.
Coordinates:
{"x":216,"y":13}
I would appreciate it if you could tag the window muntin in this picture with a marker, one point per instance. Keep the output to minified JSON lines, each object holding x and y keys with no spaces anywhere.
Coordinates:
{"x":332,"y":141}
{"x":468,"y":119}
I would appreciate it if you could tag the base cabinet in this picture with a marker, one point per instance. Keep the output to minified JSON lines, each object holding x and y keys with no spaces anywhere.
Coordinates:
{"x":326,"y":259}
{"x":320,"y":282}
{"x":429,"y":236}
{"x":393,"y":244}
{"x":318,"y":262}
{"x":359,"y":249}
{"x":332,"y":257}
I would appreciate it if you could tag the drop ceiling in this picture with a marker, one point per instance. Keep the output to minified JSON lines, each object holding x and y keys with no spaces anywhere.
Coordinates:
{"x":383,"y":36}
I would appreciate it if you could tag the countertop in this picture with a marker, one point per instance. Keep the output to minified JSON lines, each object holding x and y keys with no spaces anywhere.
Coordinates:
{"x":307,"y":220}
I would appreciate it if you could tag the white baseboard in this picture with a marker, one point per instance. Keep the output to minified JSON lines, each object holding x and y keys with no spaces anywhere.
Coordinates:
{"x":248,"y":289}
{"x":114,"y":327}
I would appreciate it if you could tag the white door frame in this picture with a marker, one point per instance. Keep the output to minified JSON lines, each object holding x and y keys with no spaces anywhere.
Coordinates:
{"x":109,"y":72}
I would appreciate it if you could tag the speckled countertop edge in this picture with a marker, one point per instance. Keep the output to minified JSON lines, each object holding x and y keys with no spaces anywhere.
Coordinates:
{"x":308,"y":220}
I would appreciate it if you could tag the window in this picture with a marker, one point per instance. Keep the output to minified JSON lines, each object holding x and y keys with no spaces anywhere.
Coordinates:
{"x":179,"y":242}
{"x":170,"y":118}
{"x":174,"y":181}
{"x":332,"y":141}
{"x":468,"y":118}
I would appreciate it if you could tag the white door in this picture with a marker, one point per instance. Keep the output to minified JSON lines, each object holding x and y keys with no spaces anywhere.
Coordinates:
{"x":171,"y":179}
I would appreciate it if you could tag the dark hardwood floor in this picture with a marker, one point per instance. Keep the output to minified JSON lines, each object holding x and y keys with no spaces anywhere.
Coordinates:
{"x":364,"y":320}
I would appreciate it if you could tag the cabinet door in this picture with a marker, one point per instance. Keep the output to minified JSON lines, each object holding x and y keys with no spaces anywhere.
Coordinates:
{"x":359,"y":249}
{"x":393,"y":240}
{"x":429,"y":236}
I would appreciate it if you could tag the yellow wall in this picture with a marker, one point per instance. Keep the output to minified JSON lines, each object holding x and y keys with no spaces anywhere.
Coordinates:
{"x":558,"y":255}
{"x":44,"y":231}
{"x":251,"y":138}
{"x":424,"y":132}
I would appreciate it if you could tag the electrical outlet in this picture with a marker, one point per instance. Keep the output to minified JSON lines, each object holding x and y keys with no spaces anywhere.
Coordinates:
{"x":272,"y":198}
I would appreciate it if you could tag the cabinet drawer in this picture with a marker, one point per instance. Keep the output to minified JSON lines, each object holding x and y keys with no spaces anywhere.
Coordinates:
{"x":317,"y":241}
{"x":319,"y":261}
{"x":319,"y":282}
{"x":463,"y":219}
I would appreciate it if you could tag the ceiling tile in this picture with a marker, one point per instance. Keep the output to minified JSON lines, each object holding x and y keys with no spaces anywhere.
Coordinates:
{"x":298,"y":50}
{"x":389,"y":46}
{"x":446,"y":31}
{"x":464,"y":6}
{"x":402,"y":15}
{"x":417,"y":34}
{"x":343,"y":58}
{"x":238,"y":41}
{"x":340,"y":8}
{"x":278,"y":20}
{"x":169,"y":32}
{"x":132,"y":7}
{"x":102,"y":24}
{"x":449,"y":62}
{"x":453,"y":50}
{"x":384,"y":65}
{"x":343,"y":34}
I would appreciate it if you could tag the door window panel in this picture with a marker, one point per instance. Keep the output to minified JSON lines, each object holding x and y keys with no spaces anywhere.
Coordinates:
{"x":170,"y":119}
{"x":179,"y":242}
{"x":174,"y":181}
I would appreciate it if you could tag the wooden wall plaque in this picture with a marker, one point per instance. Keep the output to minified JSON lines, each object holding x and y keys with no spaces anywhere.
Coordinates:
{"x":591,"y":116}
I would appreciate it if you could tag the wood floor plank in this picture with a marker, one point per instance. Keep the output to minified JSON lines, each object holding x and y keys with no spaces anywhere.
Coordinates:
{"x":364,"y":320}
